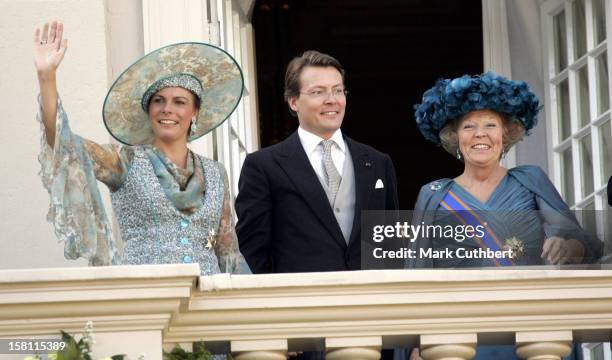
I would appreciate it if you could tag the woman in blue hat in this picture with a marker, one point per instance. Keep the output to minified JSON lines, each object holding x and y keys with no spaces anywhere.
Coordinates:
{"x":172,"y":205}
{"x":515,"y":213}
{"x":491,"y":216}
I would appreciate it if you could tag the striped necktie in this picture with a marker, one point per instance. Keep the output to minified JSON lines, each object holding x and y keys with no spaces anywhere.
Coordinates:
{"x":332,"y":176}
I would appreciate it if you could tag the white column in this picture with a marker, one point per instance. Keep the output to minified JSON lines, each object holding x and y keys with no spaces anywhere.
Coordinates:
{"x":496,"y":49}
{"x":550,"y":345}
{"x":259,"y":349}
{"x":448,"y":346}
{"x":132,"y":343}
{"x":353,"y":348}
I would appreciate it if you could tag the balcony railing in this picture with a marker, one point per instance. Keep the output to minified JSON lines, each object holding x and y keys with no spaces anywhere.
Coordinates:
{"x":350,"y":315}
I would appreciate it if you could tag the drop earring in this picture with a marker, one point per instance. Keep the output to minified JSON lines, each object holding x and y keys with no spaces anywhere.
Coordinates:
{"x":193,"y":125}
{"x":458,"y":154}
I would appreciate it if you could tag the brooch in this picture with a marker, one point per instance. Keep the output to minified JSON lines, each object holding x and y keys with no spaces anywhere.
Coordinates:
{"x":435,"y":186}
{"x":211,"y":240}
{"x":517,"y":247}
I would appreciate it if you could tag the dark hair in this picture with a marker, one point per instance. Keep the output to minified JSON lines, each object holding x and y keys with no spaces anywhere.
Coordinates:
{"x":196,"y":100}
{"x":297,"y":65}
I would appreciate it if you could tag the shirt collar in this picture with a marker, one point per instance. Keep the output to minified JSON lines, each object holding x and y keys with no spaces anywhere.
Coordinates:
{"x":310,"y":141}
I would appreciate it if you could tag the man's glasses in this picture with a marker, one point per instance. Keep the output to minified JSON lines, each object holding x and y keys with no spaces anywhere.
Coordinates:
{"x":338,"y":93}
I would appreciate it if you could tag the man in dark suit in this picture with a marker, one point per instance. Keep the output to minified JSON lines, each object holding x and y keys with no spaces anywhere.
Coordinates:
{"x":300,"y":201}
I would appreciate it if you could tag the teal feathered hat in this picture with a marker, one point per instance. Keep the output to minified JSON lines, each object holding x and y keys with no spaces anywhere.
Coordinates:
{"x":451,"y":99}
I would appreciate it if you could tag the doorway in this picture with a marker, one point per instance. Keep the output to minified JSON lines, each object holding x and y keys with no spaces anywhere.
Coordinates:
{"x":392,"y":51}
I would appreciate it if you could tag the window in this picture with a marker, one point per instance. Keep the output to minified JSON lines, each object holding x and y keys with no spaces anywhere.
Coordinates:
{"x":577,"y":47}
{"x":239,"y":135}
{"x":596,"y":351}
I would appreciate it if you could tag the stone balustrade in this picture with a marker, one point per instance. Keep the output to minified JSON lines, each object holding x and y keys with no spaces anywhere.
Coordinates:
{"x":350,"y":315}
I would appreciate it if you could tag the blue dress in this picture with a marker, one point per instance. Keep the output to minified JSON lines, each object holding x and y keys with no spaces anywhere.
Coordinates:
{"x":511,"y":211}
{"x":524,"y":205}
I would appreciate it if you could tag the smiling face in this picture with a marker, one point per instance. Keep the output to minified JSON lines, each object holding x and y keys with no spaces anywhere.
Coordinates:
{"x":318,"y":110}
{"x":480,"y":134}
{"x":170,"y":113}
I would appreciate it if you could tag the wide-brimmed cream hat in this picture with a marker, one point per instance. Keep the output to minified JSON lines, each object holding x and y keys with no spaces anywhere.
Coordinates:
{"x":198,"y":67}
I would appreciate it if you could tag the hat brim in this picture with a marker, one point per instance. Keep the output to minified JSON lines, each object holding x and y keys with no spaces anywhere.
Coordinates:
{"x":219,"y":73}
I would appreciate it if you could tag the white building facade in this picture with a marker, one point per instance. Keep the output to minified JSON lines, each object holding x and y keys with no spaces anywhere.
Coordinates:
{"x":561,"y":46}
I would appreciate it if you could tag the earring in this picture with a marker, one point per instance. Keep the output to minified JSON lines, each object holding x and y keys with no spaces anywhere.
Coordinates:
{"x":193,"y":125}
{"x":458,"y":154}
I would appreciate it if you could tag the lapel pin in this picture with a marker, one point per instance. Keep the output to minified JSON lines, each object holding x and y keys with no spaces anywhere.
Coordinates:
{"x":368,"y":164}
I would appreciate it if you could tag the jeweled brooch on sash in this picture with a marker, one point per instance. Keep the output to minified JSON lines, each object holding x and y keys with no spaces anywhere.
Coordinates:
{"x":517,"y":247}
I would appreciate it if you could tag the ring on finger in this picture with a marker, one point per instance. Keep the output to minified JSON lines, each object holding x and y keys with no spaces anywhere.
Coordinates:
{"x":42,"y":42}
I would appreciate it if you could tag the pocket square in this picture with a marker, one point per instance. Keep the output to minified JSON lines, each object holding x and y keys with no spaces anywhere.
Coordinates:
{"x":379,"y":184}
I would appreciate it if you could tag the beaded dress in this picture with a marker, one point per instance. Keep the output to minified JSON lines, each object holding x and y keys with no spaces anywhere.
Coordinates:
{"x":154,"y":231}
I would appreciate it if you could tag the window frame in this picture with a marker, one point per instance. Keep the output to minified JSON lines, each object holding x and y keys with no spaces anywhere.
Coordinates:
{"x":549,"y":9}
{"x":239,"y":135}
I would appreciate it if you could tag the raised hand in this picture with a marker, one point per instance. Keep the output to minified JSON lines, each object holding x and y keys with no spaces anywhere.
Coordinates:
{"x":49,"y":48}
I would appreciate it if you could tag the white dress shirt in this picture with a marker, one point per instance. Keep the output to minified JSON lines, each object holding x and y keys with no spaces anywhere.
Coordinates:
{"x":314,"y":150}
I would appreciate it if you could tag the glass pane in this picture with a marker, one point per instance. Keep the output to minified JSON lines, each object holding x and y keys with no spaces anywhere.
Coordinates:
{"x":597,"y":352}
{"x":599,"y":20}
{"x":565,"y":128}
{"x":567,"y":176}
{"x":607,"y":221}
{"x":589,"y":220}
{"x":586,"y":165}
{"x":603,"y":101}
{"x":560,"y":41}
{"x":605,"y":143}
{"x":580,"y":43}
{"x":584,"y":115}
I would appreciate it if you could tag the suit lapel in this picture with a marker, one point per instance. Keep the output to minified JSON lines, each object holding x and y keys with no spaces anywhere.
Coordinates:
{"x":364,"y":173}
{"x":293,"y":160}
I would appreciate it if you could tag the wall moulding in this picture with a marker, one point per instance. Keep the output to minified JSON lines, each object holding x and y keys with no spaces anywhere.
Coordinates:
{"x":397,"y":307}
